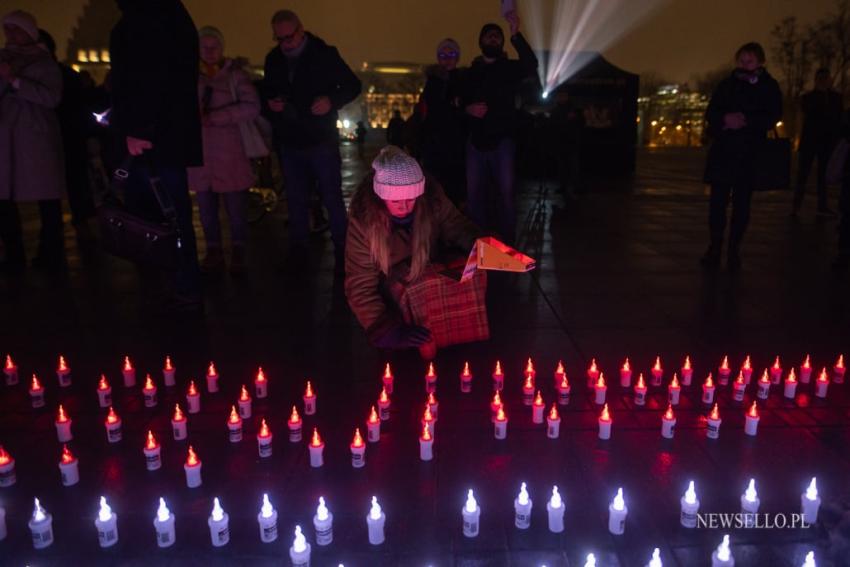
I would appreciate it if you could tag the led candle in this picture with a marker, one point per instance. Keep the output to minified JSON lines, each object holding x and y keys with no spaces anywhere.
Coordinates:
{"x":10,"y":370}
{"x":751,"y":420}
{"x":564,"y":391}
{"x":36,"y":393}
{"x":178,"y":424}
{"x":529,"y":370}
{"x":466,"y":379}
{"x":599,"y":389}
{"x":495,"y":404}
{"x":750,"y":504}
{"x":528,"y":390}
{"x":309,"y":398}
{"x":553,"y":423}
{"x":152,"y":451}
{"x":592,"y":373}
{"x":657,"y":372}
{"x":299,"y":553}
{"x":471,"y":513}
{"x":555,"y":508}
{"x":192,"y":467}
{"x":537,"y":409}
{"x":655,"y":561}
{"x":430,"y":379}
{"x":41,"y":527}
{"x":193,"y":398}
{"x":605,"y":423}
{"x":626,"y":374}
{"x":375,"y":522}
{"x":747,"y":369}
{"x":316,"y":448}
{"x":838,"y":370}
{"x":3,"y":531}
{"x":261,"y":385}
{"x":114,"y":434}
{"x":640,"y":391}
{"x":722,"y":556}
{"x":168,"y":374}
{"x":776,"y":371}
{"x":723,"y":372}
{"x":590,"y":561}
{"x":522,"y":509}
{"x":267,"y":519}
{"x":128,"y":373}
{"x":264,"y":440}
{"x":763,"y":386}
{"x":790,"y":385}
{"x":7,"y":469}
{"x":821,"y":384}
{"x":244,"y":403}
{"x":63,"y":373}
{"x":686,"y":371}
{"x":500,"y":426}
{"x":739,"y":386}
{"x":806,"y":370}
{"x":69,"y":470}
{"x":163,"y":524}
{"x":219,"y":525}
{"x":713,"y":429}
{"x":674,"y":390}
{"x":708,"y":390}
{"x":617,"y":512}
{"x":426,"y":444}
{"x":384,"y":404}
{"x":106,"y":524}
{"x":104,"y":392}
{"x":373,"y":426}
{"x":388,"y":379}
{"x":498,"y":377}
{"x":294,"y":424}
{"x":810,"y":503}
{"x":809,"y":560}
{"x":559,"y":374}
{"x":63,"y":426}
{"x":149,"y":392}
{"x":690,"y":507}
{"x":433,"y":404}
{"x":428,"y":418}
{"x":358,"y":451}
{"x":234,"y":426}
{"x":323,"y":522}
{"x":668,"y":423}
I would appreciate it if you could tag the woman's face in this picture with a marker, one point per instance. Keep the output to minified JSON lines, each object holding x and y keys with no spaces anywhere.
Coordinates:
{"x":400,"y":209}
{"x":211,"y":50}
{"x":748,"y":61}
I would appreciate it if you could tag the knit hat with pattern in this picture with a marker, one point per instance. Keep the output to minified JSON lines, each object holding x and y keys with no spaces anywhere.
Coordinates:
{"x":397,"y":175}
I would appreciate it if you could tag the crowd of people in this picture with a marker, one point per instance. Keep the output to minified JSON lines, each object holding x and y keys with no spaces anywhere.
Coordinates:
{"x":182,"y":115}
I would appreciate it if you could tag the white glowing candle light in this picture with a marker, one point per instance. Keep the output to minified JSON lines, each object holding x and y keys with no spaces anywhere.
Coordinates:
{"x":617,"y":512}
{"x":323,"y":523}
{"x":41,"y":527}
{"x":7,"y":469}
{"x":590,"y":561}
{"x":522,"y":509}
{"x":309,"y":398}
{"x":10,"y":370}
{"x":106,"y":525}
{"x":267,"y":519}
{"x":104,"y":392}
{"x":809,"y":561}
{"x":168,"y":373}
{"x":212,"y":379}
{"x":471,"y":513}
{"x":687,"y":372}
{"x":655,"y":561}
{"x":430,"y":379}
{"x":36,"y":391}
{"x":69,"y":469}
{"x":219,"y":524}
{"x":722,"y":556}
{"x":63,"y":426}
{"x":626,"y":374}
{"x":163,"y":524}
{"x":375,"y":522}
{"x":750,"y":503}
{"x":261,"y":384}
{"x":690,"y":507}
{"x":810,"y":503}
{"x":555,"y":508}
{"x":63,"y":373}
{"x":299,"y":553}
{"x":128,"y":373}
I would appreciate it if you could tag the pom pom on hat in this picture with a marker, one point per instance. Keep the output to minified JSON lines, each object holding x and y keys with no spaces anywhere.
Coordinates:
{"x":397,"y":175}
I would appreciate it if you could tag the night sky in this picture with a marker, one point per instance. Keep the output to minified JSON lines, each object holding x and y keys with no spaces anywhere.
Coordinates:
{"x":677,"y":39}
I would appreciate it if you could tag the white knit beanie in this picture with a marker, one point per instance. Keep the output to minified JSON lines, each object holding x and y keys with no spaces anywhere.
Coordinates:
{"x":397,"y":175}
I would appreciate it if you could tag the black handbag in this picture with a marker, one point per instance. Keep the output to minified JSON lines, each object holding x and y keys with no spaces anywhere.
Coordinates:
{"x":127,"y":235}
{"x":772,"y":168}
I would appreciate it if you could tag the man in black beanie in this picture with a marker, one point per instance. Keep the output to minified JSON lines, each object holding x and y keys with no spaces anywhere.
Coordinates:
{"x":489,"y":95}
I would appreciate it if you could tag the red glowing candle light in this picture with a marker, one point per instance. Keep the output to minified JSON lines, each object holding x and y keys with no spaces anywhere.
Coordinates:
{"x":428,"y":417}
{"x":790,"y":389}
{"x":373,"y":426}
{"x":7,"y":469}
{"x":192,"y":467}
{"x":738,"y":387}
{"x":63,"y":426}
{"x":529,"y":369}
{"x":426,"y":444}
{"x":11,"y":371}
{"x":599,"y":389}
{"x":193,"y":398}
{"x":687,"y":371}
{"x":212,"y":379}
{"x":433,"y":404}
{"x":500,"y":425}
{"x":763,"y":386}
{"x":168,"y":373}
{"x":559,"y":373}
{"x":537,"y":408}
{"x":152,"y":452}
{"x":264,"y":440}
{"x":128,"y":373}
{"x":776,"y":371}
{"x":234,"y":426}
{"x":674,"y":390}
{"x":261,"y":384}
{"x":495,"y":404}
{"x":821,"y":384}
{"x":294,"y":425}
{"x":309,"y":399}
{"x":498,"y":377}
{"x":316,"y":448}
{"x":747,"y":369}
{"x":640,"y":391}
{"x":430,"y":379}
{"x":104,"y":392}
{"x":713,"y":429}
{"x":806,"y":370}
{"x":69,"y":469}
{"x":838,"y":370}
{"x":149,"y":392}
{"x":626,"y":374}
{"x":384,"y":404}
{"x":528,"y":390}
{"x":358,"y":450}
{"x":388,"y":379}
{"x":724,"y":372}
{"x":244,"y":403}
{"x":466,"y":379}
{"x":657,"y":372}
{"x":178,"y":424}
{"x":708,"y":390}
{"x":605,"y":422}
{"x":113,"y":426}
{"x":63,"y":373}
{"x":668,"y":423}
{"x":592,"y":373}
{"x":751,"y":420}
{"x":564,"y":391}
{"x":553,"y":423}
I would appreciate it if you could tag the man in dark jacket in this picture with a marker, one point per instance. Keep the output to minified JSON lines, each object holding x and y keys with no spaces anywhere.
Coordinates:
{"x":489,"y":97}
{"x":742,"y":109}
{"x":306,"y":83}
{"x":395,"y":130}
{"x":822,"y":115}
{"x":154,"y":79}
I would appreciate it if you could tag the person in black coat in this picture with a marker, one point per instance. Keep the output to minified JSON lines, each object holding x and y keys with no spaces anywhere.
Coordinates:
{"x":156,"y":117}
{"x":395,"y":130}
{"x":742,"y":109}
{"x":306,"y":82}
{"x":488,"y":95}
{"x":842,"y":261}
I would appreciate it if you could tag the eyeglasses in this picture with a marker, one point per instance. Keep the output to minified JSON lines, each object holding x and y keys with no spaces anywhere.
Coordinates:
{"x":448,"y":55}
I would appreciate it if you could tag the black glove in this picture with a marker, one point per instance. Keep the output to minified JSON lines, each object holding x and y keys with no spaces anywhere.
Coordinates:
{"x":404,"y":336}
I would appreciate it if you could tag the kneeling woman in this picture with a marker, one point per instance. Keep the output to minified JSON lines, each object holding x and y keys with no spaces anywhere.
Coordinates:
{"x":400,"y":226}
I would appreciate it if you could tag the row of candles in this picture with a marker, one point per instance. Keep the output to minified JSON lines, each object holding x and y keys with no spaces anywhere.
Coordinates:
{"x":106,"y":523}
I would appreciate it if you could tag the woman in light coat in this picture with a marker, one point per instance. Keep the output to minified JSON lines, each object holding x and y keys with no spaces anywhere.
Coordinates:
{"x":227,"y":98}
{"x":31,"y":161}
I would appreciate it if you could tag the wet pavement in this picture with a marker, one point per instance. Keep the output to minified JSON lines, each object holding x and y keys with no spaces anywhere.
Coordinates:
{"x":618,"y":276}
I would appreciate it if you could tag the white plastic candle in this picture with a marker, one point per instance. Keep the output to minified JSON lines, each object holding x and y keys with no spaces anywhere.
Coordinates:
{"x":10,"y":370}
{"x":261,"y":385}
{"x":776,"y":371}
{"x":626,"y":374}
{"x":212,"y":379}
{"x":193,"y":398}
{"x":708,"y":390}
{"x":522,"y":509}
{"x":605,"y":423}
{"x":790,"y":389}
{"x":358,"y":451}
{"x":750,"y":503}
{"x":375,"y":522}
{"x":430,"y":379}
{"x":63,"y":373}
{"x":178,"y":424}
{"x":640,"y":391}
{"x":104,"y":392}
{"x":128,"y":373}
{"x":316,"y":449}
{"x":668,"y":423}
{"x":234,"y":426}
{"x":309,"y":399}
{"x":466,"y":379}
{"x":384,"y":404}
{"x":36,"y":391}
{"x":498,"y":377}
{"x":809,"y":561}
{"x":244,"y":403}
{"x":3,"y":531}
{"x":806,"y":370}
{"x":763,"y":385}
{"x":152,"y":451}
{"x":7,"y":469}
{"x":63,"y":426}
{"x":323,"y":524}
{"x":219,"y":523}
{"x":69,"y":468}
{"x":687,"y":372}
{"x":723,"y":372}
{"x":528,"y":390}
{"x":192,"y":467}
{"x":712,"y":430}
{"x":387,"y":379}
{"x":655,"y":560}
{"x":267,"y":520}
{"x":838,"y":370}
{"x":555,"y":508}
{"x":690,"y":507}
{"x":163,"y":524}
{"x":41,"y":527}
{"x":739,"y":387}
{"x":617,"y":512}
{"x":537,"y":408}
{"x":751,"y":421}
{"x":106,"y":524}
{"x":500,"y":426}
{"x":674,"y":390}
{"x":426,"y":444}
{"x":553,"y":423}
{"x":373,"y":426}
{"x":114,"y":433}
{"x":657,"y":372}
{"x":168,"y":373}
{"x":599,"y":389}
{"x":722,"y":556}
{"x":810,"y":503}
{"x":471,"y":514}
{"x":821,"y":384}
{"x":149,"y":392}
{"x":299,"y":553}
{"x":590,"y":561}
{"x":264,"y":440}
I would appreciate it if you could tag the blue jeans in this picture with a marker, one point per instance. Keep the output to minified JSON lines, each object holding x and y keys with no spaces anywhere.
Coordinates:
{"x":496,"y":166}
{"x":304,"y":168}
{"x":139,"y":198}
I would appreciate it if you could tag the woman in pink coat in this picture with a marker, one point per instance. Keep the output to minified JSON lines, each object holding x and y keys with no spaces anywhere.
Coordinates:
{"x":227,"y":98}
